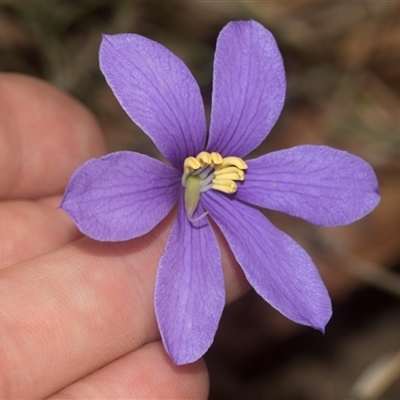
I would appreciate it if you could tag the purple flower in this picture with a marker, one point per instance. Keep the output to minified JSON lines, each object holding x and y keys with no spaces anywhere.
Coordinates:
{"x":124,"y":195}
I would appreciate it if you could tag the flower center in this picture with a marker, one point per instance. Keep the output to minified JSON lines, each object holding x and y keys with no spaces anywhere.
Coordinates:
{"x":209,"y":171}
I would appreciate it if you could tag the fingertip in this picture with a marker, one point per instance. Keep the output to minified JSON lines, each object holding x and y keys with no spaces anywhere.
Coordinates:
{"x":147,"y":373}
{"x":44,"y":136}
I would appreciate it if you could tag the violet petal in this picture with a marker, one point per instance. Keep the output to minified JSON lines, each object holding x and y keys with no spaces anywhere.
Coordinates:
{"x":320,"y":184}
{"x":190,"y":293}
{"x":158,"y":92}
{"x":248,"y":89}
{"x":120,"y":196}
{"x":279,"y":270}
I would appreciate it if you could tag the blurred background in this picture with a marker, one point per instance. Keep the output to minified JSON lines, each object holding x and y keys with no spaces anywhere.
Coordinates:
{"x":343,"y":69}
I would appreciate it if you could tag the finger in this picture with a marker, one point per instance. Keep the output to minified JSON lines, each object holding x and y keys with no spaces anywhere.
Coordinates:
{"x":44,"y":136}
{"x":30,"y":228}
{"x":67,"y":313}
{"x":146,"y":373}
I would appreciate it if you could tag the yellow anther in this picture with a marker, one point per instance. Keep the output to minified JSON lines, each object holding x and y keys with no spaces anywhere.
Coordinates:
{"x":190,"y":164}
{"x":226,"y":186}
{"x":232,"y":161}
{"x":204,"y":157}
{"x":230,"y":173}
{"x":233,"y":176}
{"x":216,"y":158}
{"x":224,"y":173}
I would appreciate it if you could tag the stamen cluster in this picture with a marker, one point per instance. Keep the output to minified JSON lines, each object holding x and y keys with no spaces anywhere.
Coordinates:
{"x":214,"y":171}
{"x":209,"y":171}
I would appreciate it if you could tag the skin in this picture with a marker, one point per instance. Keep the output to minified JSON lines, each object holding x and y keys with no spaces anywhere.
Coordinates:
{"x":76,"y":316}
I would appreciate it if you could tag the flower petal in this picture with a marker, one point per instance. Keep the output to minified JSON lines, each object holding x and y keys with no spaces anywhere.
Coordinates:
{"x":190,"y":293}
{"x":279,"y":270}
{"x":320,"y":184}
{"x":249,"y":88}
{"x":158,"y":92}
{"x":120,"y":196}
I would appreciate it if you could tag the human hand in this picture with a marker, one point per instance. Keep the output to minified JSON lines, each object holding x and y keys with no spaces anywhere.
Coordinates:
{"x":76,"y":316}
